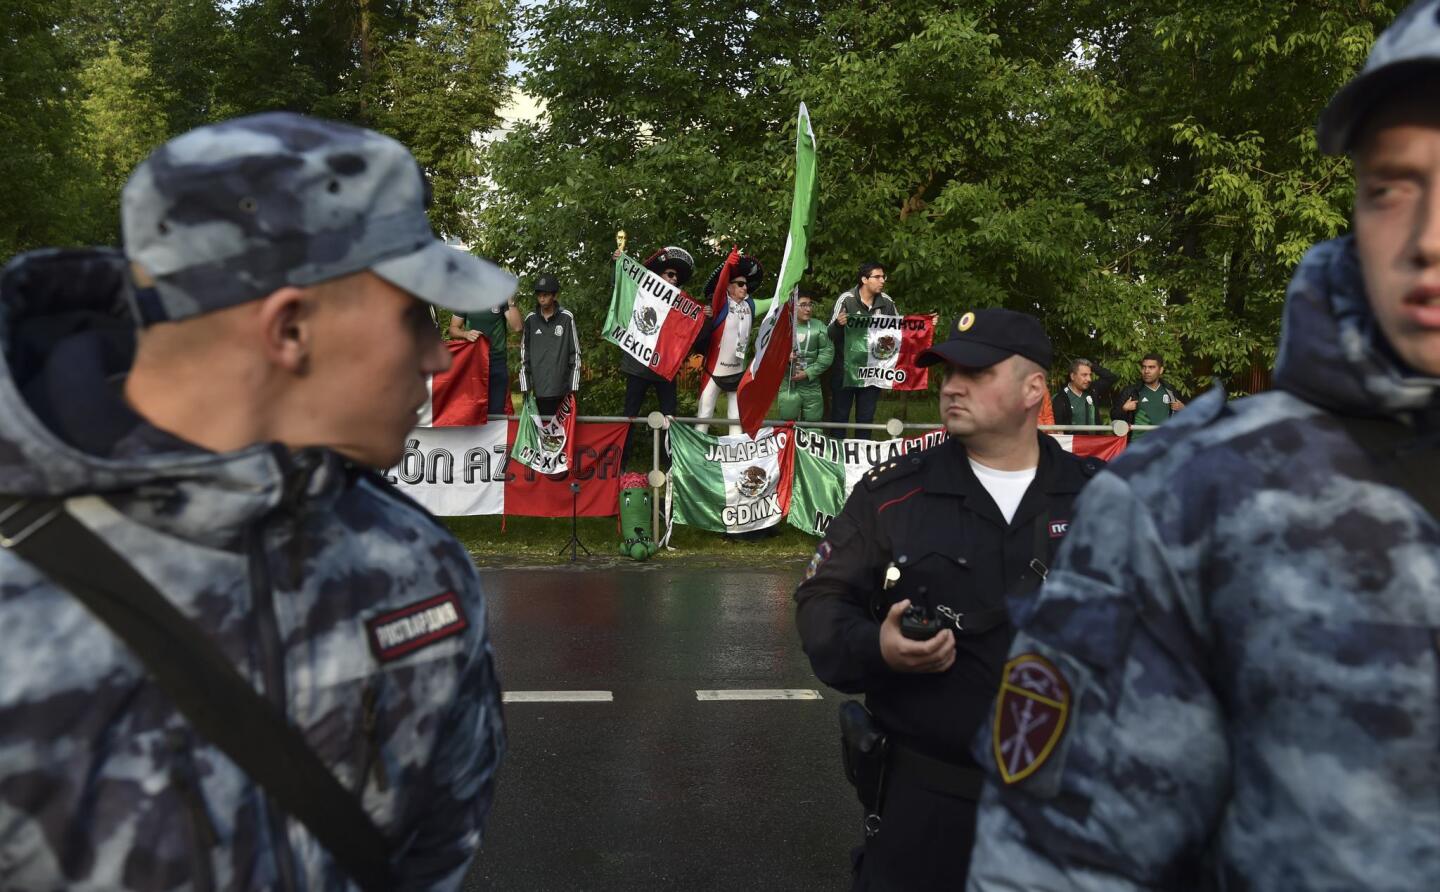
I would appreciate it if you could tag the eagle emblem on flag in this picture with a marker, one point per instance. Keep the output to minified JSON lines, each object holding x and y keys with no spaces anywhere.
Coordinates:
{"x":753,"y":482}
{"x":646,"y":322}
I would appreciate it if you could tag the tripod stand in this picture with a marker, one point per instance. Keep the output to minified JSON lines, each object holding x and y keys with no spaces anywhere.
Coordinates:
{"x":574,"y":541}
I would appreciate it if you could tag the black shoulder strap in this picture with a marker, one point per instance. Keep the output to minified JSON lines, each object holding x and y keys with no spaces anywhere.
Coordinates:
{"x":218,"y":702}
{"x":1404,"y":458}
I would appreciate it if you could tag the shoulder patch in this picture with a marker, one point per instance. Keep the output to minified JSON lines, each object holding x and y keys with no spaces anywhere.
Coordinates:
{"x":889,"y":472}
{"x":822,"y":554}
{"x":1030,"y":716}
{"x":401,"y":632}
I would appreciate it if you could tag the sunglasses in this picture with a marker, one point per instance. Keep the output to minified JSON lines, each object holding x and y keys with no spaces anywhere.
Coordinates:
{"x":741,"y":282}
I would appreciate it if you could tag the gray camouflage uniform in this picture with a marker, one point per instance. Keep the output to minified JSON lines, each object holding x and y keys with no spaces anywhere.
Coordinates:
{"x":1247,"y":617}
{"x":280,"y":557}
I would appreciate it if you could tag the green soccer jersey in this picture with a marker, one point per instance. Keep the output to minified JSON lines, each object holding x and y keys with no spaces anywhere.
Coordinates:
{"x":1081,"y":411}
{"x":1153,"y":407}
{"x":491,"y":323}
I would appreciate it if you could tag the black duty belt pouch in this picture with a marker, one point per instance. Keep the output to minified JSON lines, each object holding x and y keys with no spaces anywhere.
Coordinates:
{"x":863,"y":748}
{"x":937,"y":775}
{"x":220,"y":704}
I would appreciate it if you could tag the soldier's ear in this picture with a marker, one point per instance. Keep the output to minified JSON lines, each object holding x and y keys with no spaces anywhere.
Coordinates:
{"x":287,"y":328}
{"x":1034,"y":388}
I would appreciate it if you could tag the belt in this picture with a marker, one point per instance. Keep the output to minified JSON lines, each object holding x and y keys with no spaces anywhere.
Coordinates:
{"x":934,"y":774}
{"x":978,"y":622}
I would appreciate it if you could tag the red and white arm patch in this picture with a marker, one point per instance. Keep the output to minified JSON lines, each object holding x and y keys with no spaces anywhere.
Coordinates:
{"x":402,"y":632}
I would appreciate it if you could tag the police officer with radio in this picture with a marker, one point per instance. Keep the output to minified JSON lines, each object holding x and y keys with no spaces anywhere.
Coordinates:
{"x":905,"y":600}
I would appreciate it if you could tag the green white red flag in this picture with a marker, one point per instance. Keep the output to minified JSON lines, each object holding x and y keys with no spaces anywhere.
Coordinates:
{"x":775,"y":340}
{"x":880,"y":351}
{"x":730,"y":484}
{"x":546,"y":445}
{"x":650,"y":319}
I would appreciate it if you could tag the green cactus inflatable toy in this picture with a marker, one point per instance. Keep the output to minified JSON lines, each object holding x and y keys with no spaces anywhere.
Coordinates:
{"x":637,"y":538}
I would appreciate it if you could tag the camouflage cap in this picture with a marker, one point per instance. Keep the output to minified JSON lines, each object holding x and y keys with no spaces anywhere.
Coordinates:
{"x":1410,"y":45}
{"x":230,"y":212}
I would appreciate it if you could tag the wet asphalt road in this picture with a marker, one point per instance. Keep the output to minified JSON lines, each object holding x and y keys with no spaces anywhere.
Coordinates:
{"x":658,"y":790}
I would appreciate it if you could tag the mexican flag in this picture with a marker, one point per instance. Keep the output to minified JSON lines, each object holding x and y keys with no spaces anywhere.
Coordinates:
{"x":880,"y":351}
{"x":650,"y":319}
{"x":545,"y":444}
{"x":460,"y":396}
{"x":459,"y":471}
{"x":775,"y":341}
{"x":826,"y":470}
{"x":730,"y":484}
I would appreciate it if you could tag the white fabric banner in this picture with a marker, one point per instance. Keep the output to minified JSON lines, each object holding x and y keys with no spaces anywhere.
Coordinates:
{"x":454,"y":471}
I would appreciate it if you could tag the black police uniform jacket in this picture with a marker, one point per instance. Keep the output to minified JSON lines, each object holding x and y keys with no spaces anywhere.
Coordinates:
{"x":929,"y":515}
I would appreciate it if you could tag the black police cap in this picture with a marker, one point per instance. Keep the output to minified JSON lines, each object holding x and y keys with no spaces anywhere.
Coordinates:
{"x":980,"y":338}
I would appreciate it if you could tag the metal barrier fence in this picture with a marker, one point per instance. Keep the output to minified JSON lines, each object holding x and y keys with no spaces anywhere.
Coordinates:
{"x":893,"y":426}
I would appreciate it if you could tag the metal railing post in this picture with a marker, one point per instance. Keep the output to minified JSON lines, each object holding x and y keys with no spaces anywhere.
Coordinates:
{"x":656,"y":476}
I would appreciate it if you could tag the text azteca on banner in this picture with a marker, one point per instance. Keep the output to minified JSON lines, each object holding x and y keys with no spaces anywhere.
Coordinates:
{"x":459,"y":471}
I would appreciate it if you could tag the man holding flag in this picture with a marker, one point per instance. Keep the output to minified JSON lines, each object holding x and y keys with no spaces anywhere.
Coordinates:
{"x":727,"y":332}
{"x":852,"y":337}
{"x":654,"y":324}
{"x":761,"y":382}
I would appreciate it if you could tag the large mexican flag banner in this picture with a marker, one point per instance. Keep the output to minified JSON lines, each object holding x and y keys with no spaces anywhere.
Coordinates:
{"x":880,"y":351}
{"x":826,"y":470}
{"x":730,"y":484}
{"x":458,"y":471}
{"x":650,"y":319}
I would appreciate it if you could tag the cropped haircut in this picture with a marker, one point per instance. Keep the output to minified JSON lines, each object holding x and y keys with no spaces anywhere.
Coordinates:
{"x":866,"y":269}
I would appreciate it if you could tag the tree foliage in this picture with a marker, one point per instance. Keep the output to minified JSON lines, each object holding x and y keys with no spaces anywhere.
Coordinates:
{"x":88,"y":87}
{"x":1143,"y":175}
{"x":39,"y":165}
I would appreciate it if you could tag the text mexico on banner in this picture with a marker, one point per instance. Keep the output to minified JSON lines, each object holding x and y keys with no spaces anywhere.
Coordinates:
{"x":461,"y":471}
{"x":880,"y":351}
{"x":597,"y":470}
{"x":545,"y":444}
{"x":730,"y":484}
{"x":650,"y":319}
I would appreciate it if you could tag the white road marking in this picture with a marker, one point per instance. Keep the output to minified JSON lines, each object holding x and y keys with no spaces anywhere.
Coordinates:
{"x":760,"y":694}
{"x":559,"y":697}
